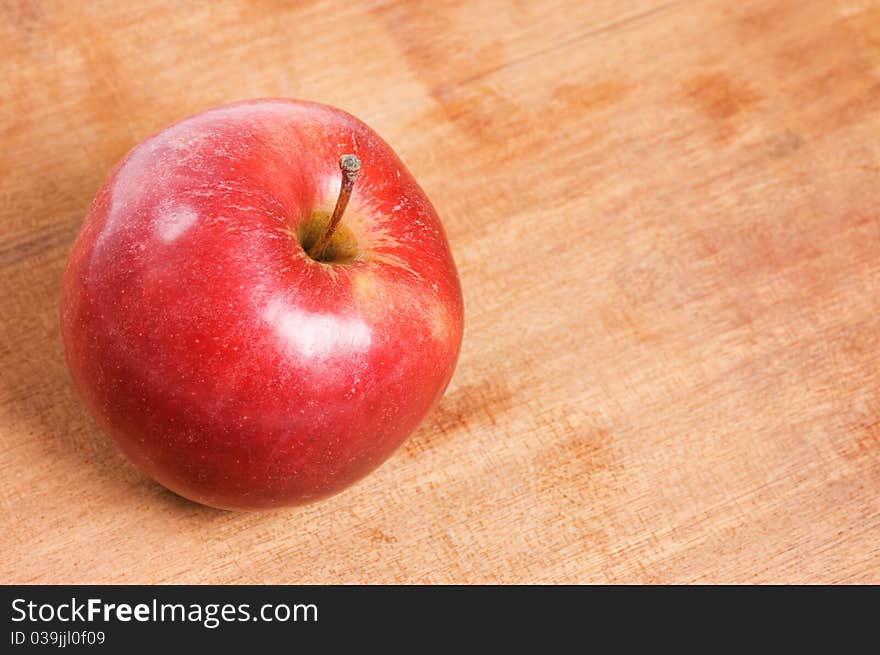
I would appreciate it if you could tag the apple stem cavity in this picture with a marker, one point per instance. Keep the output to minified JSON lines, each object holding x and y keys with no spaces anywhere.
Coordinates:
{"x":350,"y":165}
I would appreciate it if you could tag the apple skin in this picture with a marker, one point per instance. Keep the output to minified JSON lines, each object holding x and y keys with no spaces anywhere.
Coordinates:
{"x":224,"y":361}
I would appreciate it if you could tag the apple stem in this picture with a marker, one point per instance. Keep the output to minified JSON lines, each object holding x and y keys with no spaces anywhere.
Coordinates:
{"x":349,"y":165}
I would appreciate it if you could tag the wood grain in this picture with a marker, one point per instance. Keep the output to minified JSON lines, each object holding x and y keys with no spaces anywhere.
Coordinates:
{"x":666,"y":220}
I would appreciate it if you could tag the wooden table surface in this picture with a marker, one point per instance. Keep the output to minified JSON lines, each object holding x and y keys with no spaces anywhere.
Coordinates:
{"x":666,"y":216}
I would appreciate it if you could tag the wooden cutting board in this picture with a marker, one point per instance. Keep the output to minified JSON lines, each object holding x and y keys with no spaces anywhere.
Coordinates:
{"x":666,"y":216}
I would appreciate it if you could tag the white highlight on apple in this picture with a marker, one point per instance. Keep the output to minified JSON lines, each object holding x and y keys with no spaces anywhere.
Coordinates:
{"x":172,"y":220}
{"x":317,"y":335}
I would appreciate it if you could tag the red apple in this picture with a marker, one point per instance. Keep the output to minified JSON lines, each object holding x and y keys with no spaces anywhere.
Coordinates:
{"x":239,"y":349}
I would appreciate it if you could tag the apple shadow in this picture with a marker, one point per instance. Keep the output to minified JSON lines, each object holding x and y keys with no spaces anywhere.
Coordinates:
{"x":462,"y":407}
